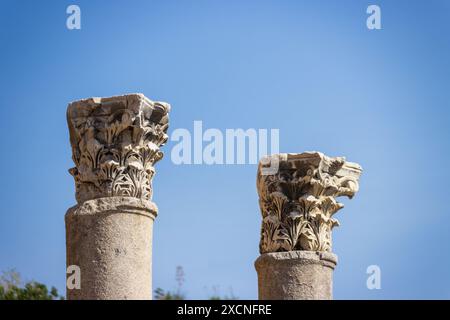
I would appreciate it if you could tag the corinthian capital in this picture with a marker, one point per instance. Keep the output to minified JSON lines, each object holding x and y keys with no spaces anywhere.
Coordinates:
{"x":298,"y":202}
{"x":115,"y":143}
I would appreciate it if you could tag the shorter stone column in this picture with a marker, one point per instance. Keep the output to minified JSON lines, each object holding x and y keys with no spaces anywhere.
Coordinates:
{"x":297,"y":203}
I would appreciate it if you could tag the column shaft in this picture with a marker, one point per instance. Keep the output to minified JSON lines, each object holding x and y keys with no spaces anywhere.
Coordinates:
{"x":111,"y":240}
{"x":295,"y":275}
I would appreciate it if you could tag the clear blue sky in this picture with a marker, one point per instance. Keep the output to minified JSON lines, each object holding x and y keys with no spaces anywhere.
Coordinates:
{"x":310,"y":68}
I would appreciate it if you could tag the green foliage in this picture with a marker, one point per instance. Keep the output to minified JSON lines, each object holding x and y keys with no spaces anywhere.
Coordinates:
{"x":160,"y":294}
{"x":11,"y":288}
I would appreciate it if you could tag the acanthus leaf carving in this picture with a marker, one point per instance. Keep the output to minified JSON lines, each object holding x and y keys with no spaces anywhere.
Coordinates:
{"x":115,"y":144}
{"x":298,"y":202}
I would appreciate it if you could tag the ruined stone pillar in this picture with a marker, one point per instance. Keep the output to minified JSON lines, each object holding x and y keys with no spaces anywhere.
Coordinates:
{"x":297,"y":203}
{"x":115,"y":144}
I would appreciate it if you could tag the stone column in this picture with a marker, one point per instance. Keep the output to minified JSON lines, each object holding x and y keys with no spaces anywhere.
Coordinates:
{"x":297,"y":202}
{"x":115,"y":144}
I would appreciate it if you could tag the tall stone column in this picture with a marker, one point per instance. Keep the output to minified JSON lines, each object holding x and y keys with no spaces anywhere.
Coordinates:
{"x":297,"y":203}
{"x":115,"y":144}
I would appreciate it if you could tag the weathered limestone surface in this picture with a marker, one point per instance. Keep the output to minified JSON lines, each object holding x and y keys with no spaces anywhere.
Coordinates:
{"x":111,"y":240}
{"x":296,"y":275}
{"x":115,"y":144}
{"x":297,"y":206}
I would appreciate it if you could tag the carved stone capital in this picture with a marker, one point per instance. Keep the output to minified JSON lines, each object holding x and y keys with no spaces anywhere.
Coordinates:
{"x":297,"y":203}
{"x":115,"y":143}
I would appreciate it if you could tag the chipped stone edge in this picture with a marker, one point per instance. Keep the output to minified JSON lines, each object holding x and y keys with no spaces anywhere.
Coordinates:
{"x":327,"y":259}
{"x":94,"y":102}
{"x":307,"y":156}
{"x":117,"y":204}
